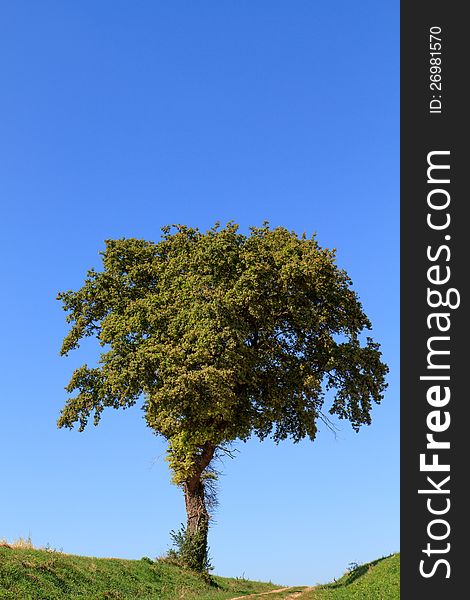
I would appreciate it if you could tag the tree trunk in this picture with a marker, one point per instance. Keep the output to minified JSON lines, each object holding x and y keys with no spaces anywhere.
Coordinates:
{"x":196,"y":509}
{"x":197,"y":527}
{"x":198,"y":517}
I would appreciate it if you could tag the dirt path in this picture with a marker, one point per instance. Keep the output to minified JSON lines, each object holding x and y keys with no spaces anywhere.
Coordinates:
{"x":263,"y":594}
{"x":299,"y":594}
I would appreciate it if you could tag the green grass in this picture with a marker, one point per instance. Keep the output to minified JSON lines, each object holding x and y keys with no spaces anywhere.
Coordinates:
{"x":28,"y":574}
{"x":377,"y":580}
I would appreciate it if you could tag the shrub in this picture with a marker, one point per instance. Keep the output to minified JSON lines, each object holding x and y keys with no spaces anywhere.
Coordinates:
{"x":188,"y":550}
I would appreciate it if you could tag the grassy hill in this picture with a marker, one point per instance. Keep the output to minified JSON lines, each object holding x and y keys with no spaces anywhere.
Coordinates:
{"x":377,"y":580}
{"x":28,"y":574}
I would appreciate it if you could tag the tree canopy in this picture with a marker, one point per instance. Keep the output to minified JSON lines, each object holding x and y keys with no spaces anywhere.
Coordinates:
{"x":222,"y":336}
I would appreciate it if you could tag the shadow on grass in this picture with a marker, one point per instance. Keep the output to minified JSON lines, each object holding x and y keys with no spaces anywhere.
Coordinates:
{"x":354,"y":574}
{"x":213,"y":583}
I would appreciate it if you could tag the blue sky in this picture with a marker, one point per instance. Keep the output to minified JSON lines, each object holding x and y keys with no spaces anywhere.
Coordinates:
{"x":121,"y":117}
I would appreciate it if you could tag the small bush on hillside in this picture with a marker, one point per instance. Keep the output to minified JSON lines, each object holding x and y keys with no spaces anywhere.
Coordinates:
{"x":187,"y":550}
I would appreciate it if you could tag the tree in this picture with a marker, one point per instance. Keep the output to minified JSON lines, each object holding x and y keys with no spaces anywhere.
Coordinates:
{"x":222,"y":336}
